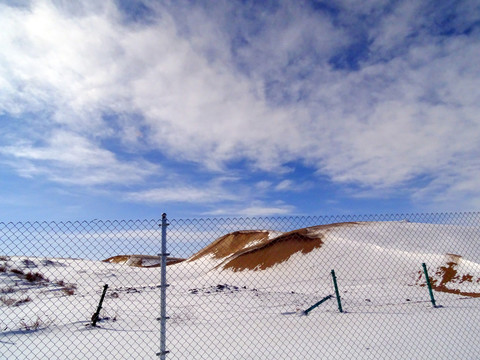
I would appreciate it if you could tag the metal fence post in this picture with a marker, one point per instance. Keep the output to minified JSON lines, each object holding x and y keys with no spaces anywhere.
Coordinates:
{"x":337,"y":293}
{"x":432,"y":298}
{"x":96,"y":316}
{"x":163,"y":288}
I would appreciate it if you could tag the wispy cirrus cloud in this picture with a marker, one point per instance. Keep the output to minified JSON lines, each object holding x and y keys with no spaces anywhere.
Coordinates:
{"x":291,"y":185}
{"x":374,"y":96}
{"x":183,"y":194}
{"x":71,"y":159}
{"x":256,"y":208}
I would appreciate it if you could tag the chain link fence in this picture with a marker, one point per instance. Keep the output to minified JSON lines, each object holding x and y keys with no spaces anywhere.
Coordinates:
{"x":348,"y":287}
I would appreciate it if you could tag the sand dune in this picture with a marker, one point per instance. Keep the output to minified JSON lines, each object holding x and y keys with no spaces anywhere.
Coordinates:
{"x":257,"y":250}
{"x":278,"y":249}
{"x":232,"y":243}
{"x":145,"y":261}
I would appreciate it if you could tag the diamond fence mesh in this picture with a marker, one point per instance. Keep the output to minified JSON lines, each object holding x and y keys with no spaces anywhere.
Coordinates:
{"x":348,"y":287}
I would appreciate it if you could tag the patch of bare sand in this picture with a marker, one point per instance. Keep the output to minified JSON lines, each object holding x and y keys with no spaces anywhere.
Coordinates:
{"x":145,"y":261}
{"x":232,"y":243}
{"x":448,"y":275}
{"x":279,"y":249}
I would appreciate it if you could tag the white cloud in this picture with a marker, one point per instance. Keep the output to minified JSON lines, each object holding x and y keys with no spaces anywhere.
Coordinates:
{"x":256,"y":208}
{"x":418,"y":118}
{"x":290,"y":185}
{"x":263,"y":185}
{"x":452,"y":183}
{"x":72,"y":159}
{"x":395,"y":28}
{"x":274,"y":100}
{"x":182,"y":194}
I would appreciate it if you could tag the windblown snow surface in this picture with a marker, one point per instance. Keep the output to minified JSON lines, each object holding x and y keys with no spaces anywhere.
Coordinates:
{"x":242,"y":297}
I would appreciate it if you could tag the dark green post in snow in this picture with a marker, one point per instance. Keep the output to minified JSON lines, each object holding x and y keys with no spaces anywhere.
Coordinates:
{"x":337,"y":294}
{"x":96,"y":316}
{"x":432,"y":298}
{"x":306,"y":312}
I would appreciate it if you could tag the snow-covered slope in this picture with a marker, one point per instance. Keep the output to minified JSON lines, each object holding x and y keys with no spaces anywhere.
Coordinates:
{"x":368,"y":250}
{"x":229,"y":299}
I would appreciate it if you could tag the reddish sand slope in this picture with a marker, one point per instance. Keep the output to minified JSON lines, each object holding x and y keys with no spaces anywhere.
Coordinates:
{"x":229,"y":244}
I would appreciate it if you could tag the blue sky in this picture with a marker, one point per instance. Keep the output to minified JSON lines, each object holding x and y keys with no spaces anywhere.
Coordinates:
{"x":127,"y":109}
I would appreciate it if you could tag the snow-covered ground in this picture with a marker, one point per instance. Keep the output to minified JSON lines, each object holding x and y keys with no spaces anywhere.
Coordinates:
{"x":218,"y":313}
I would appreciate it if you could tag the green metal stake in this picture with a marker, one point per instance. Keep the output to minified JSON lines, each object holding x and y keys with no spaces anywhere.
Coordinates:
{"x":429,"y":285}
{"x":337,"y":294}
{"x":306,"y":312}
{"x":96,"y":316}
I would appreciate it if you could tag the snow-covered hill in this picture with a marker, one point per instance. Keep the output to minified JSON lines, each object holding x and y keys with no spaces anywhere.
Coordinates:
{"x":232,"y":298}
{"x":368,"y":250}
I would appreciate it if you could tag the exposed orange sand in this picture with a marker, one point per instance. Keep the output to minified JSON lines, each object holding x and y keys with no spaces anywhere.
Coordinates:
{"x":448,"y":274}
{"x":231,"y":243}
{"x":279,"y":249}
